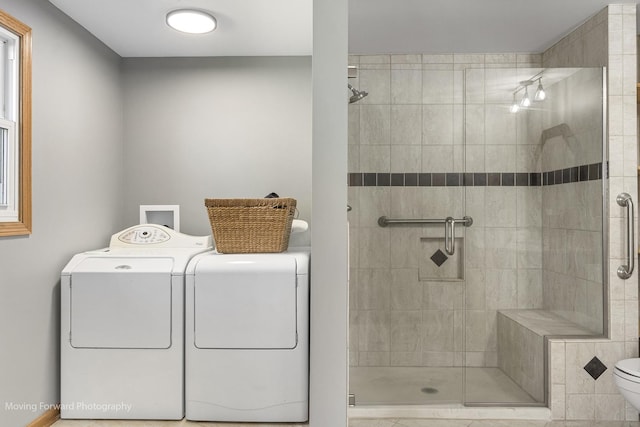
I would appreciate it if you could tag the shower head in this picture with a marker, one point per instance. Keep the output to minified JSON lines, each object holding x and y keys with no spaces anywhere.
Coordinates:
{"x":357,"y":95}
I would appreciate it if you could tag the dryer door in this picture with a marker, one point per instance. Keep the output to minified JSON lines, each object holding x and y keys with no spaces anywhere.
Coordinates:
{"x":121,"y":303}
{"x":246,"y":302}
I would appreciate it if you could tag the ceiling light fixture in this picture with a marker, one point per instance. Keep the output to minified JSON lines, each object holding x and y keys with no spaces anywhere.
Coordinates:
{"x":526,"y":101}
{"x":540,"y":93}
{"x":191,"y":21}
{"x":515,"y":107}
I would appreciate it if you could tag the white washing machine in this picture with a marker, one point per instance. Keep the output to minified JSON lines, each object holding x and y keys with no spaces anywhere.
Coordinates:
{"x":247,"y":337}
{"x":122,"y":326}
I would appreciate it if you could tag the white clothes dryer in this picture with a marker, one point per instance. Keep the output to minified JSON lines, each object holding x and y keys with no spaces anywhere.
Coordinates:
{"x":247,"y":337}
{"x":122,"y":326}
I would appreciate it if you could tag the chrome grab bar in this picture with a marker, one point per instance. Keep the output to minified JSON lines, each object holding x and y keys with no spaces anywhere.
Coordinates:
{"x":626,"y":270}
{"x":450,"y":242}
{"x":383,"y":221}
{"x":449,"y":227}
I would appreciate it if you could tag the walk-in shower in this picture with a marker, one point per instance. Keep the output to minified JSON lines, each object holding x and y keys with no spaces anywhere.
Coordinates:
{"x":436,"y":142}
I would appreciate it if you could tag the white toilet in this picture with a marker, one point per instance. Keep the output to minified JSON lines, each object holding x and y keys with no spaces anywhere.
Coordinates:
{"x":626,"y":375}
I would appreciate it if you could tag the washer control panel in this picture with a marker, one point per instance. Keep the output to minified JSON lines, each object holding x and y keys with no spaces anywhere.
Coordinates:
{"x":144,"y":235}
{"x":157,"y":236}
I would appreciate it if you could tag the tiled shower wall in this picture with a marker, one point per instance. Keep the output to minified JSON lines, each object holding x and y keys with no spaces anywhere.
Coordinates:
{"x":608,"y":39}
{"x":407,"y":160}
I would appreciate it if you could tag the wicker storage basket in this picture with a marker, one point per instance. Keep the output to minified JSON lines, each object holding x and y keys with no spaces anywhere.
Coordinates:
{"x":251,"y":225}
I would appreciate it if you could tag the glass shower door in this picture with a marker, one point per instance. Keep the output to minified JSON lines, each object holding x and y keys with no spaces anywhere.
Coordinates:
{"x":534,"y":261}
{"x":406,"y":162}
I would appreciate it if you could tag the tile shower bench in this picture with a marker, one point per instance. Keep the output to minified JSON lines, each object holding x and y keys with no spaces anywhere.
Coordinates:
{"x":521,"y":335}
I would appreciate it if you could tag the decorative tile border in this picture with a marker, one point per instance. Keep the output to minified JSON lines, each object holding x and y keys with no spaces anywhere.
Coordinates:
{"x":483,"y":179}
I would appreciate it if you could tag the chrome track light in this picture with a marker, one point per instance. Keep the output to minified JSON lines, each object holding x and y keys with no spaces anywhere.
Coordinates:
{"x":540,"y":95}
{"x":515,"y":106}
{"x":526,"y":101}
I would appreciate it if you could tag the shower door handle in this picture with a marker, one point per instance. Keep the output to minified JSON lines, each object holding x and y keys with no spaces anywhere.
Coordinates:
{"x":625,"y":271}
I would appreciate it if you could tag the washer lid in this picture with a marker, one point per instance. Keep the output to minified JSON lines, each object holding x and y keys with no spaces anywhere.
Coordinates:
{"x":630,"y":366}
{"x":121,"y":303}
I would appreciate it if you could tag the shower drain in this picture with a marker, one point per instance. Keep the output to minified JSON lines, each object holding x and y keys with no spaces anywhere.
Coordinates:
{"x":429,"y":390}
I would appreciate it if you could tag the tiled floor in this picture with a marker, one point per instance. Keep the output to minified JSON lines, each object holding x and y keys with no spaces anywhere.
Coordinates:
{"x":183,"y":423}
{"x":357,"y":423}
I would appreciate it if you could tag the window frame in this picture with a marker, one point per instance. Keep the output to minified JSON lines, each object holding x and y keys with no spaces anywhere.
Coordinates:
{"x":22,"y":226}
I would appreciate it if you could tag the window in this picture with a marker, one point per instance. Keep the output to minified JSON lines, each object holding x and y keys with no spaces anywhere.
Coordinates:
{"x":9,"y":153}
{"x":4,"y":170}
{"x":15,"y":127}
{"x":8,"y":169}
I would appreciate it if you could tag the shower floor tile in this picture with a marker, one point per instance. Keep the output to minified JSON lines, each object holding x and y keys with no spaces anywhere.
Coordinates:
{"x":425,"y":386}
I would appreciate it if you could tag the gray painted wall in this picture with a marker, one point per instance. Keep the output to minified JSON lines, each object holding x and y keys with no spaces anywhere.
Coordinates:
{"x":329,"y":290}
{"x":77,"y":180}
{"x":219,"y":128}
